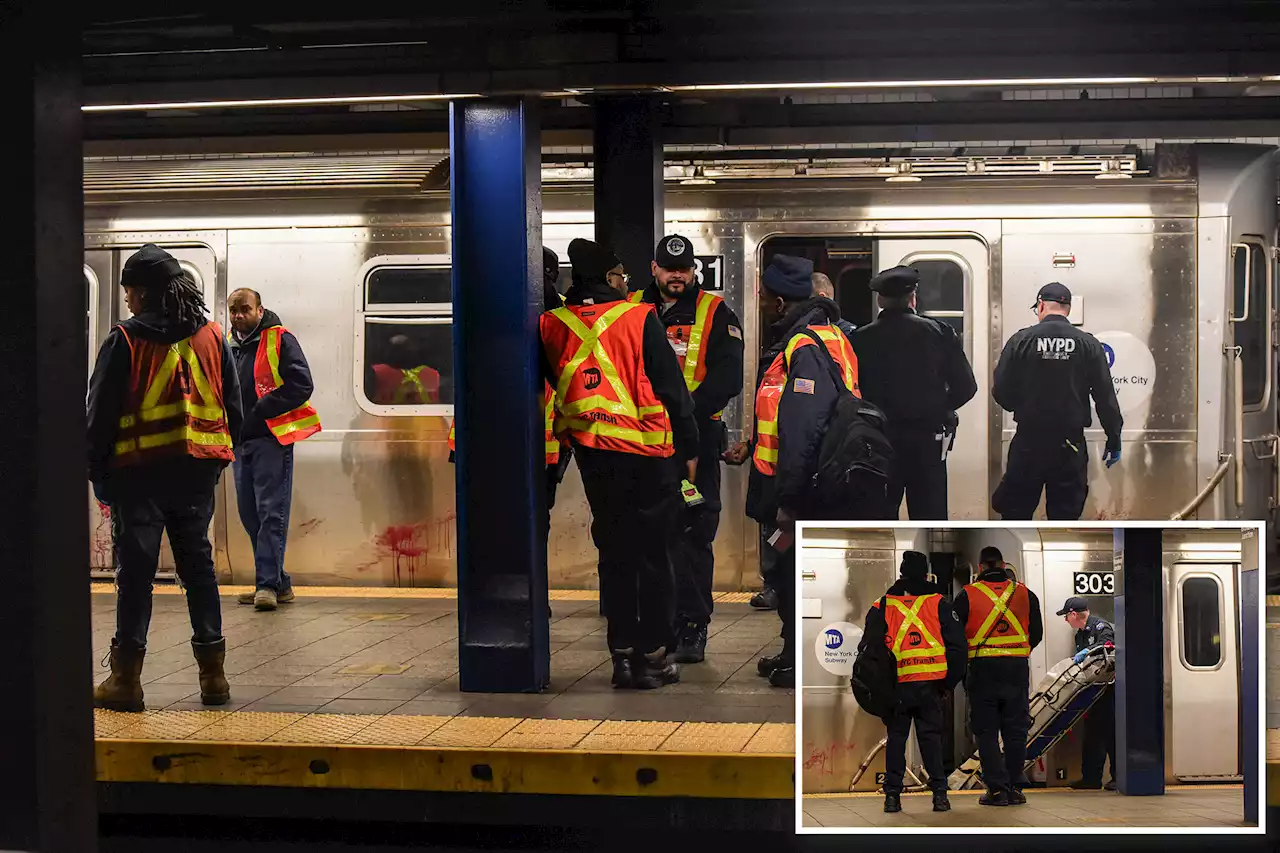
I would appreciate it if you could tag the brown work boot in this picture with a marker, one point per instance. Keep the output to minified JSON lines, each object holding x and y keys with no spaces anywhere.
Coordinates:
{"x":214,"y":689}
{"x":122,"y":690}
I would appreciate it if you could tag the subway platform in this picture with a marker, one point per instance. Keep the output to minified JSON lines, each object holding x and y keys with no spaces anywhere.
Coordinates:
{"x":357,"y":690}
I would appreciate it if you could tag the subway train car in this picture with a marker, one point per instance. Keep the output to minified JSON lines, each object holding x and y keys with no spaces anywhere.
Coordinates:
{"x":845,"y":571}
{"x":1171,"y":267}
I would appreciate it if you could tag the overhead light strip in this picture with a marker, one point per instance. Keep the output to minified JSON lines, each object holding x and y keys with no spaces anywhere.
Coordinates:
{"x":977,"y":83}
{"x":273,"y":102}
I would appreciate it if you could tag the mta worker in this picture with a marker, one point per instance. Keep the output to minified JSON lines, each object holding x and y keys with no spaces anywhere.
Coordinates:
{"x":558,"y":453}
{"x":1045,"y":376}
{"x":622,"y":401}
{"x":914,"y":368}
{"x":275,"y":387}
{"x":1099,"y":744}
{"x":794,"y":400}
{"x":164,"y":416}
{"x":927,"y":641}
{"x":823,"y":286}
{"x":403,"y":379}
{"x":1002,"y":624}
{"x":706,"y":337}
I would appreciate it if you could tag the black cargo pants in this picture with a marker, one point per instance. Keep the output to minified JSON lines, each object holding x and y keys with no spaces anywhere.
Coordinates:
{"x":919,"y":472}
{"x":695,"y":558}
{"x":1099,"y":738}
{"x":1044,"y":462}
{"x":921,"y":702}
{"x":998,"y":710}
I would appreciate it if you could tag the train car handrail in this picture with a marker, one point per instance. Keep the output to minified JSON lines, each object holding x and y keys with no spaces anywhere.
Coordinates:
{"x":1214,"y":480}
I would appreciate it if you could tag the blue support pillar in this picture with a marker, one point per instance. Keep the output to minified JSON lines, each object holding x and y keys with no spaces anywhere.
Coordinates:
{"x":628,"y":180}
{"x":503,"y":631}
{"x":1250,"y":666}
{"x":1139,"y":662}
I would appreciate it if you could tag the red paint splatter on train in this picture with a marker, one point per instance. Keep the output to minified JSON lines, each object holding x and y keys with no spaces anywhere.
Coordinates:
{"x":405,"y":545}
{"x":824,"y":760}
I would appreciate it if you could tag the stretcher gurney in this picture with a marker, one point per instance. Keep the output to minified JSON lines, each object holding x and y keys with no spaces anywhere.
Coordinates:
{"x":1062,"y":697}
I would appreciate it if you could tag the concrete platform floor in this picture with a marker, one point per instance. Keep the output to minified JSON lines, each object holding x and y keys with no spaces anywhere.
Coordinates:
{"x":1184,"y":806}
{"x":394,"y":652}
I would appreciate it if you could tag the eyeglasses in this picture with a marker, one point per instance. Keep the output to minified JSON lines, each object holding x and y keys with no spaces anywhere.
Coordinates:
{"x":626,"y":279}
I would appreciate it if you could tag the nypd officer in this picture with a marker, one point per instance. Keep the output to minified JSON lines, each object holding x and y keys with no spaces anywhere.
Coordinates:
{"x":914,"y":368}
{"x":707,"y":339}
{"x":1002,"y":624}
{"x":1045,"y":376}
{"x":1100,"y":722}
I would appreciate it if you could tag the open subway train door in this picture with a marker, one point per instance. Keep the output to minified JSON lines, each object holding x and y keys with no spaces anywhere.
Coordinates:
{"x":104,"y":308}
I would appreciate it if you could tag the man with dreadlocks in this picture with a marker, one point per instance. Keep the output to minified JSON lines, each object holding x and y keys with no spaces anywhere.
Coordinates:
{"x":164,"y":414}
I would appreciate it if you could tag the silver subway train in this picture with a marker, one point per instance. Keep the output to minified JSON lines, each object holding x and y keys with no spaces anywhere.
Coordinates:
{"x":845,"y":571}
{"x":1172,"y":270}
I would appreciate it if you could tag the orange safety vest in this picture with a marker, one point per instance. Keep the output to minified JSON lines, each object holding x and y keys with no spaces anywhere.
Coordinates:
{"x":999,"y":613}
{"x":769,"y":395}
{"x":552,"y":445}
{"x":689,"y":341}
{"x":915,"y":636}
{"x":603,"y":395}
{"x":415,"y":386}
{"x":302,"y":422}
{"x":173,"y":405}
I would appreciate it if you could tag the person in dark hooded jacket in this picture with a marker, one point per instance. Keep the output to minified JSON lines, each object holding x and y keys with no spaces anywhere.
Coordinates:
{"x":794,"y":401}
{"x":164,"y":417}
{"x":928,"y":642}
{"x":264,"y":465}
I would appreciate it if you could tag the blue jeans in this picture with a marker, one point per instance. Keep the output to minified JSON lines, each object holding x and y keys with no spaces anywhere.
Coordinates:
{"x":264,"y":492}
{"x":138,"y":524}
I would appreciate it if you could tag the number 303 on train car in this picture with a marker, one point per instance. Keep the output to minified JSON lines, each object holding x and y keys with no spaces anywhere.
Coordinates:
{"x":1093,"y":583}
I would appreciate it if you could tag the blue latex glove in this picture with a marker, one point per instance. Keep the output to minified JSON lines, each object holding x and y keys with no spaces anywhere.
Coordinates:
{"x":1111,"y":457}
{"x":1080,"y":655}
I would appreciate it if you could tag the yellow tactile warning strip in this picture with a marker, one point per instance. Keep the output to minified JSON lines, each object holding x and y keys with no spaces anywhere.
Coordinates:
{"x":1273,"y":600}
{"x":437,"y":753}
{"x":403,"y":592}
{"x":978,"y":791}
{"x":1273,"y":745}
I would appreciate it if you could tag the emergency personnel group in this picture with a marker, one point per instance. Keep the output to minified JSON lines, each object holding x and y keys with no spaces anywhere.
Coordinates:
{"x":636,"y":382}
{"x":983,"y":638}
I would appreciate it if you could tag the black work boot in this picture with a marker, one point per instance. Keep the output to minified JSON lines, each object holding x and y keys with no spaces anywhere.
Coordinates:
{"x":622,"y":670}
{"x":892,"y":802}
{"x":122,"y":690}
{"x":1016,"y":797}
{"x":765,"y":599}
{"x":994,"y":797}
{"x":766,"y":666}
{"x":783,"y":675}
{"x":692,"y":645}
{"x":940,"y":802}
{"x":214,"y":689}
{"x":649,"y":672}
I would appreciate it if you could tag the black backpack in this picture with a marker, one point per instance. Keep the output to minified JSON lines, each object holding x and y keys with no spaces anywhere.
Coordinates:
{"x":875,"y":673}
{"x":854,"y":460}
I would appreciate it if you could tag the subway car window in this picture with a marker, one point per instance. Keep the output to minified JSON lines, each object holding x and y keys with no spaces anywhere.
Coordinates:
{"x":408,"y":337}
{"x":1251,"y":333}
{"x":941,"y":292}
{"x":1201,"y":622}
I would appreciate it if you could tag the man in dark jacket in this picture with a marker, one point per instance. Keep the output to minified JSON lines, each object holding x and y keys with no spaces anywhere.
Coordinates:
{"x":923,"y":680}
{"x":1002,"y":624}
{"x":914,"y":368}
{"x":1093,"y":632}
{"x":164,"y":415}
{"x":1045,"y":376}
{"x":706,"y":337}
{"x":264,"y":466}
{"x":794,"y":400}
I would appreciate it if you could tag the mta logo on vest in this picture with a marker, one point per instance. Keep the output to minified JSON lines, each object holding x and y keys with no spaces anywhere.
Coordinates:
{"x":834,"y":639}
{"x":592,"y":375}
{"x":1002,"y":626}
{"x":914,"y":638}
{"x":1055,"y":349}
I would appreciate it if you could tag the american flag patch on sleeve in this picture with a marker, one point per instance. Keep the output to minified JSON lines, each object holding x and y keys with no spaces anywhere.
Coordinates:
{"x":803,"y":386}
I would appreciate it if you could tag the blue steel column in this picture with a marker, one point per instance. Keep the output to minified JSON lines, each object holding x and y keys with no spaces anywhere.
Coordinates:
{"x":503,"y":631}
{"x":1250,"y":666}
{"x":628,"y":180}
{"x":1139,"y":684}
{"x":46,"y":715}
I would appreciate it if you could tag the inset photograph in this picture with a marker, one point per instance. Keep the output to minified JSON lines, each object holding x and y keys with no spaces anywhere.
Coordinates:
{"x":982,"y":677}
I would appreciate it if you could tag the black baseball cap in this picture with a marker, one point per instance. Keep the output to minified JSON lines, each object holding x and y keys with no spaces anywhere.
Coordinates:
{"x":674,"y":253}
{"x":1054,"y":291}
{"x":1074,"y":605}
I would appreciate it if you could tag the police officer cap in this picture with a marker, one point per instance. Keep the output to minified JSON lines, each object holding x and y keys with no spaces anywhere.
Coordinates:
{"x":1074,"y":605}
{"x":590,"y":259}
{"x":789,"y":277}
{"x":674,"y":253}
{"x":149,"y":267}
{"x":1054,"y":291}
{"x":898,"y":281}
{"x":550,"y":263}
{"x":915,"y":565}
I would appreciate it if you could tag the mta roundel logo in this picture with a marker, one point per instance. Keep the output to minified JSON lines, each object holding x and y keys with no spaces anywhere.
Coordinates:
{"x":1002,"y":627}
{"x":914,"y":638}
{"x":1111,"y":355}
{"x":675,"y":246}
{"x":834,"y":638}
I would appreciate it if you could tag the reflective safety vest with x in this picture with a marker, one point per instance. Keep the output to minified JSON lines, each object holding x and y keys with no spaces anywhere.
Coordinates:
{"x":928,"y":659}
{"x":1012,"y":642}
{"x":589,"y":344}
